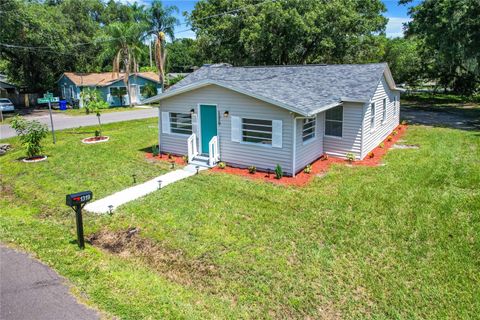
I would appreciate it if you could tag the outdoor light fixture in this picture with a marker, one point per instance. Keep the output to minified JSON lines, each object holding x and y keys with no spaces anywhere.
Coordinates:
{"x":225,"y":114}
{"x":173,"y":165}
{"x":198,"y":168}
{"x":110,"y":209}
{"x":159,"y":184}
{"x":134,"y":176}
{"x":192,"y":111}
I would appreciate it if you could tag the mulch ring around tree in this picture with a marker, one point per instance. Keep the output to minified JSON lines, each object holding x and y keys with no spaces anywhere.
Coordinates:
{"x":34,"y":159}
{"x":321,"y":166}
{"x":93,"y":140}
{"x":166,"y":158}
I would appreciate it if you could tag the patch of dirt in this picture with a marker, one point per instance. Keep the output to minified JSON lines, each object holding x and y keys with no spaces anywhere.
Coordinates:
{"x":405,"y":146}
{"x":171,"y":263}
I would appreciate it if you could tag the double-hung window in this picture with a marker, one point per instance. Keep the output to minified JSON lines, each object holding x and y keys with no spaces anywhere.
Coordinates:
{"x":384,"y":113}
{"x":372,"y":115}
{"x":334,"y":122}
{"x":257,"y":131}
{"x":395,"y":105}
{"x":309,"y":126}
{"x":181,"y":123}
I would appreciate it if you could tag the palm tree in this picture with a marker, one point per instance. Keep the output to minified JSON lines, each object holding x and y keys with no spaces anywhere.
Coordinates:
{"x":124,"y":45}
{"x":161,"y":24}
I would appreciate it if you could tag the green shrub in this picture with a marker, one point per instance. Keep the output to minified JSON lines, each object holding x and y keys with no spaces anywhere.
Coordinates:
{"x":148,"y":90}
{"x":278,"y":172}
{"x":155,"y":150}
{"x":382,"y":145}
{"x":222,"y":165}
{"x":185,"y":158}
{"x":350,"y":157}
{"x":31,"y":134}
{"x":252,"y":169}
{"x":308,"y":169}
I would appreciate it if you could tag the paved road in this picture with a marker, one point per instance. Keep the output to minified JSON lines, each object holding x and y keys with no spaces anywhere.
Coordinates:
{"x":457,"y":118}
{"x":61,"y":121}
{"x":31,"y":290}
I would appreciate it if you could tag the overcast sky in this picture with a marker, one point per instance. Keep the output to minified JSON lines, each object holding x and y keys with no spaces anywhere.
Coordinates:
{"x":397,"y":15}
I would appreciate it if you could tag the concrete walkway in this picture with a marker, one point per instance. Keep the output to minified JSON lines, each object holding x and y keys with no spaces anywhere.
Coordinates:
{"x":31,"y":290}
{"x":117,"y":199}
{"x":63,"y":121}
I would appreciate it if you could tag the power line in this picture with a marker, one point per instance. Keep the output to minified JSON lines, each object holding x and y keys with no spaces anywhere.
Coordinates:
{"x":95,"y":42}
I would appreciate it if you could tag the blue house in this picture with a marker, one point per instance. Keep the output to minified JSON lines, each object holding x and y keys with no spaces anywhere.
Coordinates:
{"x":111,"y":86}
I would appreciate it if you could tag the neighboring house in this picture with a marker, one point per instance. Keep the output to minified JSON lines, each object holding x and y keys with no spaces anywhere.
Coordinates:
{"x":111,"y":86}
{"x":287,"y":115}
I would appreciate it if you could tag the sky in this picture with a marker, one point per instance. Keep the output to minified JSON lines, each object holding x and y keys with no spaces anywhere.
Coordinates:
{"x":397,"y":15}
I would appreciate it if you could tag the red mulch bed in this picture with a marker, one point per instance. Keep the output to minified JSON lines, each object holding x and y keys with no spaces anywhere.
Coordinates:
{"x":321,"y":165}
{"x":164,"y":157}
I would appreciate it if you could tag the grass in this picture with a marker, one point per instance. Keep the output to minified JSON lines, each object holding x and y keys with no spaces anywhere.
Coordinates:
{"x":439,"y":99}
{"x":399,"y":241}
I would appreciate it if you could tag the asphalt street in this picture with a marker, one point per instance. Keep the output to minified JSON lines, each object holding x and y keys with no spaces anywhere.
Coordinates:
{"x":31,"y":290}
{"x":61,"y":121}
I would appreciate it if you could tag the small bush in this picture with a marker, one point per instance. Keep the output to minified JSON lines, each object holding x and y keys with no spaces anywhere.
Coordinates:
{"x":308,"y":168}
{"x":97,"y":133}
{"x":371,"y":154}
{"x":389,"y":138}
{"x":324,"y":157}
{"x":252,"y":169}
{"x":222,"y":165}
{"x":169,"y":156}
{"x":31,"y":134}
{"x":350,"y":157}
{"x":185,"y":159}
{"x":278,"y":172}
{"x":155,"y":150}
{"x":404,"y":122}
{"x":382,"y":145}
{"x":394,"y":132}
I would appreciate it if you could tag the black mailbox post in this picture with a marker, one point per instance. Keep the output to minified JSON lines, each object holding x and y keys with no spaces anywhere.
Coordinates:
{"x":77,"y":201}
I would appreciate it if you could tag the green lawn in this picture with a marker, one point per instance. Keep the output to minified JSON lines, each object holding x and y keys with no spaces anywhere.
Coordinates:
{"x":398,"y":241}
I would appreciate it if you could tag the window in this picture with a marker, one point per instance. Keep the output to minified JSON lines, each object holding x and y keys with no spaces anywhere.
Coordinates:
{"x":257,"y":131}
{"x":372,"y":115}
{"x":308,"y":131}
{"x":334,"y":122}
{"x":384,"y":114}
{"x":395,"y":105}
{"x":118,"y":91}
{"x":181,"y":123}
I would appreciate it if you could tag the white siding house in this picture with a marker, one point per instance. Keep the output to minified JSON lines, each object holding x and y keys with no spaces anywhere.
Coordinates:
{"x":288,"y":115}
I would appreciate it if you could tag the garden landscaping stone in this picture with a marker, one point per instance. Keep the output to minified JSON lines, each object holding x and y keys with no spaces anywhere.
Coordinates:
{"x":115,"y":200}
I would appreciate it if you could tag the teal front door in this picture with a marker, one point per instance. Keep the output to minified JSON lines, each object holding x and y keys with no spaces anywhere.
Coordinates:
{"x":208,"y":125}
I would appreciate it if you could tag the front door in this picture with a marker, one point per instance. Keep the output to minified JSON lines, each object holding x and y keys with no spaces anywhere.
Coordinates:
{"x":208,"y":125}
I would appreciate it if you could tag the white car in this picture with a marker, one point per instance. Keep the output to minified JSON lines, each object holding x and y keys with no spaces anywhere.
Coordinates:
{"x":6,"y":105}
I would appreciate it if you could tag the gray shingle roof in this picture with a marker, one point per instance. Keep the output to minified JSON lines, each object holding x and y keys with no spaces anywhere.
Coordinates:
{"x":306,"y":88}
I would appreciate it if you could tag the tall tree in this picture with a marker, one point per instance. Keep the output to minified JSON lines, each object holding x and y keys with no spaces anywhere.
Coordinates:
{"x":402,"y":55}
{"x":288,"y":32}
{"x":162,"y":24}
{"x":450,"y":31}
{"x":123,"y":44}
{"x":182,"y":55}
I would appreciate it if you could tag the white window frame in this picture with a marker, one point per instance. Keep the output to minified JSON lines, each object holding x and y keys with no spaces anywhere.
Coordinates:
{"x":181,"y":129}
{"x":313,"y":135}
{"x":331,"y":120}
{"x":372,"y":116}
{"x":242,"y":136}
{"x":384,"y":110}
{"x":394,"y":105}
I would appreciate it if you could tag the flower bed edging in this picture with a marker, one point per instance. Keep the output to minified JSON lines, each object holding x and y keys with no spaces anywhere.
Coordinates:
{"x":93,"y":140}
{"x":320,"y":166}
{"x":35,"y":159}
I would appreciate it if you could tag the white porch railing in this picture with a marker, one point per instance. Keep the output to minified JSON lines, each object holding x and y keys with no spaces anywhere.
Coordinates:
{"x":213,"y":154}
{"x":192,"y":147}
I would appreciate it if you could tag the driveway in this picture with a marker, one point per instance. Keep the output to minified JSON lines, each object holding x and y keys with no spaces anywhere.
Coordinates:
{"x":31,"y":290}
{"x":453,"y":117}
{"x":62,"y":121}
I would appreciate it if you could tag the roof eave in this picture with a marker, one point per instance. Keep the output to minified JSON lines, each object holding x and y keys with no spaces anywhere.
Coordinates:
{"x":204,"y":83}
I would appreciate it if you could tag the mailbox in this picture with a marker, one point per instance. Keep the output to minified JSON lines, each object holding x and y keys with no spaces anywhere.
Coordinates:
{"x":79,"y":198}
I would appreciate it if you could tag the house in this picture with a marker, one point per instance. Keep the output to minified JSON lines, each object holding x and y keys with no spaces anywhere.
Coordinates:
{"x":268,"y":115}
{"x":110,"y":84}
